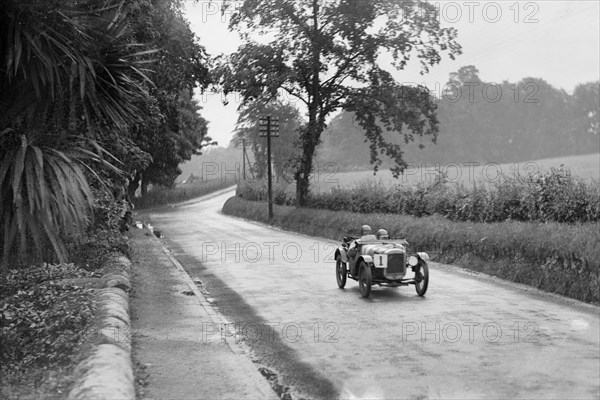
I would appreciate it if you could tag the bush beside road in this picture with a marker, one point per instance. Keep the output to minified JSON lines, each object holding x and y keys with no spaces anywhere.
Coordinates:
{"x":556,"y":196}
{"x":57,"y":324}
{"x":558,"y":258}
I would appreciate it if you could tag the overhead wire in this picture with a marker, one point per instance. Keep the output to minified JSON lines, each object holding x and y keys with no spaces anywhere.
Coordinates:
{"x":514,"y":39}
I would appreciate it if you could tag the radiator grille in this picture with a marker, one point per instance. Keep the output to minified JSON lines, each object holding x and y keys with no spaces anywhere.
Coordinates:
{"x":395,"y":263}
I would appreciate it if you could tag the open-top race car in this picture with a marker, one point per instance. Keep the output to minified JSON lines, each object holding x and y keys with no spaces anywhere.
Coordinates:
{"x":377,"y":260}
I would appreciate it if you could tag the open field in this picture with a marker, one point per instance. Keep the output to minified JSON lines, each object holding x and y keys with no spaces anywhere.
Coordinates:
{"x":543,"y":193}
{"x":328,"y":177}
{"x":227,"y":167}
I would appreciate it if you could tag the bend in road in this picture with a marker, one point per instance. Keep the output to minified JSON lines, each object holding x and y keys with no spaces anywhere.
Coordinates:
{"x":467,"y":338}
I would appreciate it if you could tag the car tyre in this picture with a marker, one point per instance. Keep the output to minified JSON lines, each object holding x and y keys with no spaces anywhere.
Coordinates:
{"x":341,"y":272}
{"x":365,"y":279}
{"x":422,"y":271}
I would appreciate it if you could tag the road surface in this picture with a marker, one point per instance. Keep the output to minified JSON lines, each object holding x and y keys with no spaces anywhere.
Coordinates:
{"x":469,"y":337}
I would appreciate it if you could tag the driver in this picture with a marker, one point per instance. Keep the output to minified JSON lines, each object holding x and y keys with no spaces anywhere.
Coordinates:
{"x":365,"y":230}
{"x":365,"y":234}
{"x":382,"y":234}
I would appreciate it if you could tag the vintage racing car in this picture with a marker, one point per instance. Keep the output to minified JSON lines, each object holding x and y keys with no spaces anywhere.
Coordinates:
{"x":380,"y":261}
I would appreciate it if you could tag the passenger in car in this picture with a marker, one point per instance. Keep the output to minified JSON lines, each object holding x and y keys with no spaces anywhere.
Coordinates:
{"x":382,"y":234}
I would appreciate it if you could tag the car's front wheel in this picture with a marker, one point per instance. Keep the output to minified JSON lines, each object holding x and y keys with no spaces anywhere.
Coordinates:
{"x":421,"y":278}
{"x":365,"y":279}
{"x":341,"y":272}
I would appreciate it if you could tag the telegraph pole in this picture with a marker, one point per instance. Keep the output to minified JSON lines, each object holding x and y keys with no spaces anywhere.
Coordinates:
{"x":243,"y":141}
{"x":244,"y":158}
{"x":269,"y":127}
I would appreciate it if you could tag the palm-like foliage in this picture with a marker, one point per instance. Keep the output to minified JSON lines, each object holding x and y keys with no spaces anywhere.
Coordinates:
{"x":75,"y":50}
{"x":68,"y":70}
{"x":45,"y":193}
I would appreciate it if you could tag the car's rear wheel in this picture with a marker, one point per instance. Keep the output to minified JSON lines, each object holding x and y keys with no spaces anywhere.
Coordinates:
{"x":341,"y":272}
{"x":421,"y":278}
{"x":365,"y":279}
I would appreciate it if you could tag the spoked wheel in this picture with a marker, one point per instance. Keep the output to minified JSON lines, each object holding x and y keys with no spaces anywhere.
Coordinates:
{"x":421,"y":278}
{"x":365,"y":279}
{"x":341,"y":273}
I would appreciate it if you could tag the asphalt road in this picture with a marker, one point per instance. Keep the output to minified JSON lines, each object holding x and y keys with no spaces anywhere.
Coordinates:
{"x":469,"y":337}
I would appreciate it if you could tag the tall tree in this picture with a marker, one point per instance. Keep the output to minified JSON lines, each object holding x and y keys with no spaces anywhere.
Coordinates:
{"x":174,"y":130}
{"x":284,"y":148}
{"x":181,"y":134}
{"x":587,"y":106}
{"x":327,"y":55}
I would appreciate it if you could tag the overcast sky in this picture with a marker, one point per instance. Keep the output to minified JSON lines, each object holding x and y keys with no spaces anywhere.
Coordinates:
{"x":557,"y":41}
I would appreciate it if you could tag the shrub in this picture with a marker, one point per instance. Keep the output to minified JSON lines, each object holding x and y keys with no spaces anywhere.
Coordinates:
{"x":553,"y":197}
{"x":258,"y":191}
{"x":41,"y":322}
{"x":102,"y":237}
{"x":27,"y":278}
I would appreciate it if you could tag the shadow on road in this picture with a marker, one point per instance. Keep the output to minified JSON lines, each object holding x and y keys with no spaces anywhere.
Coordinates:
{"x":272,"y":351}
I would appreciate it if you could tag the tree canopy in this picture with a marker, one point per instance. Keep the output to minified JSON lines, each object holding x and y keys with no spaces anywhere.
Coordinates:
{"x":174,"y":129}
{"x":484,"y":122}
{"x":329,"y":56}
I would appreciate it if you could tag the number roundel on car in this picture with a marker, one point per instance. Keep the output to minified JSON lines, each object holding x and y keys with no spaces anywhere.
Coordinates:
{"x":380,"y":260}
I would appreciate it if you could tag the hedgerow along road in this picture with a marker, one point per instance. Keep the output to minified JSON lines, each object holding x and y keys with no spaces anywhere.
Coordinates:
{"x":469,"y":337}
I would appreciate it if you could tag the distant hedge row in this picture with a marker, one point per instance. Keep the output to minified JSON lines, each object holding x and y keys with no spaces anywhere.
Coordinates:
{"x":556,"y":196}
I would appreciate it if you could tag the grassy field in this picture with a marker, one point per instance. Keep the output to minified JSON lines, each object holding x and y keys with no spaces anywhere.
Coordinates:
{"x":225,"y":164}
{"x":585,"y":166}
{"x":556,"y":195}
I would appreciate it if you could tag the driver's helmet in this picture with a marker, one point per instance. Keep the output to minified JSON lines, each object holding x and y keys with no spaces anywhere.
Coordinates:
{"x":365,"y":230}
{"x":382,"y":234}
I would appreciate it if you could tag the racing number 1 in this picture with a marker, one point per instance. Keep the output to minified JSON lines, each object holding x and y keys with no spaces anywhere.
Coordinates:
{"x":379,"y":261}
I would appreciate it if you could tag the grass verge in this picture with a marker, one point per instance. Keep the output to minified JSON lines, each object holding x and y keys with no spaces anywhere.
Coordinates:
{"x":554,"y":257}
{"x":183,"y":192}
